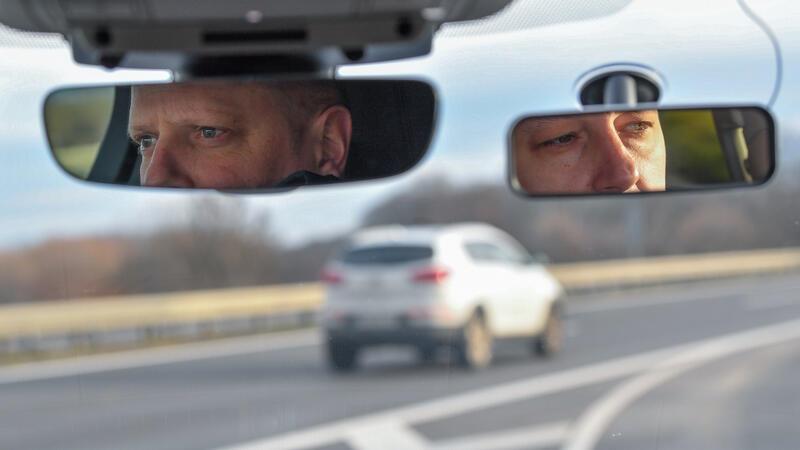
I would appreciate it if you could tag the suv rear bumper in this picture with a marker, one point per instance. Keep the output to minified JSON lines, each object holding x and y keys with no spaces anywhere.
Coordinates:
{"x":416,"y":336}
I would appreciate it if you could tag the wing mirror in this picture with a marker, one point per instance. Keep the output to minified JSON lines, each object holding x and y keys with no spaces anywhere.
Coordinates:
{"x":641,"y":150}
{"x":240,"y":135}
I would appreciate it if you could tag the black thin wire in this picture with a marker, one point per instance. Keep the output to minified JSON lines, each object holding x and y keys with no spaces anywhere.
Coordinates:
{"x":774,"y":39}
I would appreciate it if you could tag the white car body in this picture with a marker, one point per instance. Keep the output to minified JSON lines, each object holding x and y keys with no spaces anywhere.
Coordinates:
{"x":427,"y":301}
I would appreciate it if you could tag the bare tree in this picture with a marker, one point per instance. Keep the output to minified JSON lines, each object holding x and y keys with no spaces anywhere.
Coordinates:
{"x":218,"y":243}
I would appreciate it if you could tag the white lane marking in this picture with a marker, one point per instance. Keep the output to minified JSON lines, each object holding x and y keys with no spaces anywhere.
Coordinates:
{"x":591,"y":425}
{"x":540,"y":436}
{"x":792,"y":298}
{"x":385,"y":435}
{"x":467,"y":402}
{"x":666,"y":296}
{"x":522,"y":390}
{"x":130,"y":359}
{"x":615,"y":305}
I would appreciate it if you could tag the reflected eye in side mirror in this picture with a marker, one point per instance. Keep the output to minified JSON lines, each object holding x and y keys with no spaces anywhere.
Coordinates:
{"x":632,"y":151}
{"x":243,"y":136}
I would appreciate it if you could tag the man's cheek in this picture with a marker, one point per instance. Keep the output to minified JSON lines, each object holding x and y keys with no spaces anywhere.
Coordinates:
{"x":253,"y":169}
{"x":557,"y":176}
{"x":653,"y":174}
{"x":658,"y":164}
{"x":209,"y":169}
{"x":641,"y":149}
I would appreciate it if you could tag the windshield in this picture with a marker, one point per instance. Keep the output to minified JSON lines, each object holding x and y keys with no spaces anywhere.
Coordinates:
{"x":169,"y":319}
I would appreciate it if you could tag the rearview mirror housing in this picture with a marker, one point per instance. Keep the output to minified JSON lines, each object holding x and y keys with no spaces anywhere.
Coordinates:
{"x":241,"y":135}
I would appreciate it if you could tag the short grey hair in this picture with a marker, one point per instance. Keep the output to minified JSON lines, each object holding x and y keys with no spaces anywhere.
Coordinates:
{"x":303,"y":100}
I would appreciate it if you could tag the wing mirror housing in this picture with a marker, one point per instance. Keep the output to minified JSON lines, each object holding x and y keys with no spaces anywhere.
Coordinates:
{"x":641,"y":149}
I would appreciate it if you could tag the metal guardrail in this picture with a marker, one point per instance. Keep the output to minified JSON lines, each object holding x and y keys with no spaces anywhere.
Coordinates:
{"x":113,"y":313}
{"x":191,"y":315}
{"x":669,"y":269}
{"x":59,"y":326}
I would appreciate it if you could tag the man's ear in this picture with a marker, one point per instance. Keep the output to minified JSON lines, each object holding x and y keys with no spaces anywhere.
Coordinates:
{"x":336,"y":126}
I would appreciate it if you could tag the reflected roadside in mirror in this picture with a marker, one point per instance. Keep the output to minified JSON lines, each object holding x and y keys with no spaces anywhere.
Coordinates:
{"x":641,"y":151}
{"x":240,"y":135}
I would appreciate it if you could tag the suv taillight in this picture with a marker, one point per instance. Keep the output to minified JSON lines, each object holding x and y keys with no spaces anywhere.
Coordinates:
{"x":331,"y":277}
{"x":430,"y":275}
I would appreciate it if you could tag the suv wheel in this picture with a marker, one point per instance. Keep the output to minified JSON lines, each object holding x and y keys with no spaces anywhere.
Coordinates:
{"x":475,"y":348}
{"x":342,"y":357}
{"x":551,"y":340}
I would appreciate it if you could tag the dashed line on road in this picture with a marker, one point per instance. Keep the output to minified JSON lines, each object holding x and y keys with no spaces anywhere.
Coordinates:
{"x":535,"y":437}
{"x":130,"y":359}
{"x":616,"y":305}
{"x":387,"y":435}
{"x":466,"y":402}
{"x":664,"y":296}
{"x":677,"y":356}
{"x":591,"y":425}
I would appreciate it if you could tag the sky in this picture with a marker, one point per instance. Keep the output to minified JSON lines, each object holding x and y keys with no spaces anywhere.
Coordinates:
{"x":484,"y":84}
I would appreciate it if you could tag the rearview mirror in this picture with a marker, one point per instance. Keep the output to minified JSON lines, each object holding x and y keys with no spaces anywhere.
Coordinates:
{"x":240,"y":135}
{"x":641,"y":151}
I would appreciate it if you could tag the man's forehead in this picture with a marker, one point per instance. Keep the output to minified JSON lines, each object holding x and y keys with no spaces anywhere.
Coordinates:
{"x":207,"y":97}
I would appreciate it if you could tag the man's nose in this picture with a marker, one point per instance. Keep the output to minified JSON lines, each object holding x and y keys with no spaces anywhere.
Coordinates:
{"x":617,"y":169}
{"x":166,"y":167}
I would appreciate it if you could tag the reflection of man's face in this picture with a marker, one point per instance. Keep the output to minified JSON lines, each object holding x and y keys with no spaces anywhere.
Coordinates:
{"x":231,"y":136}
{"x":607,"y":152}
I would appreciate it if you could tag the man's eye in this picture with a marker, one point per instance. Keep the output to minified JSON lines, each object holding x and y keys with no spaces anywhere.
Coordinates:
{"x":146,"y":143}
{"x":638,"y":127}
{"x":561,"y":140}
{"x":210,"y":132}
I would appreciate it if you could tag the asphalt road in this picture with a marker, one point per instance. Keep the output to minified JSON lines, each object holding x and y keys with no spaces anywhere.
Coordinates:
{"x":699,"y":366}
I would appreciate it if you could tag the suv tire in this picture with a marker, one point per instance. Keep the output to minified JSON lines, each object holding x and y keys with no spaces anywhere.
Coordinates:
{"x":342,"y":356}
{"x":551,"y":339}
{"x":475,"y":347}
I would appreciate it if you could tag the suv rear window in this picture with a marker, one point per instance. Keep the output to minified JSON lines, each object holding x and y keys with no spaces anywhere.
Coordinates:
{"x":388,"y":254}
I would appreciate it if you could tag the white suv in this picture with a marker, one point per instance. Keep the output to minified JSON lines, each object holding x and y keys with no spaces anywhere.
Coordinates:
{"x":460,"y":286}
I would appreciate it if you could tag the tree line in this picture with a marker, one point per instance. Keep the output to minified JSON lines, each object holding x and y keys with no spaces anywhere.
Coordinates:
{"x":222,"y":244}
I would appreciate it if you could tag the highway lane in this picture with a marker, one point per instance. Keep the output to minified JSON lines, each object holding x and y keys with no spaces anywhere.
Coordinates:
{"x":228,"y":398}
{"x":741,"y":402}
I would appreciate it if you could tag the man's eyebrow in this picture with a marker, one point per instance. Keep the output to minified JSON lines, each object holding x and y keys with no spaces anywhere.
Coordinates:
{"x":133,"y":129}
{"x":210,"y":111}
{"x":200,"y":113}
{"x":535,"y":123}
